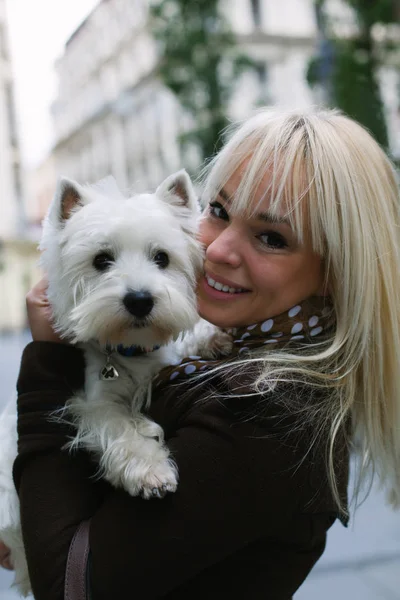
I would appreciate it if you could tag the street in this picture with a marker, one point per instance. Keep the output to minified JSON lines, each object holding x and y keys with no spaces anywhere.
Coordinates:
{"x":360,"y":563}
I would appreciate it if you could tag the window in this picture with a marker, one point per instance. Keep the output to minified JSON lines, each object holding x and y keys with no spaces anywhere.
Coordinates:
{"x":17,"y":182}
{"x":262,"y":73}
{"x":11,"y":115}
{"x":3,"y":43}
{"x":262,"y":76}
{"x":256,"y":12}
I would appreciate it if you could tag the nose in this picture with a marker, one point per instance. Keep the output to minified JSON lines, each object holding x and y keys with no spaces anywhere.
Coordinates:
{"x":139,"y":304}
{"x":225,"y":248}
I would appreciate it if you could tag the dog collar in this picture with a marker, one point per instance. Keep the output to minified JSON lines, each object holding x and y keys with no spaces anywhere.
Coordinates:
{"x":134,"y":350}
{"x":129,"y":351}
{"x":109,"y":372}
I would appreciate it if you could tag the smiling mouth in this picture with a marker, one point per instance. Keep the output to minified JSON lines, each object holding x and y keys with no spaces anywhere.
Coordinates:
{"x":222,"y":287}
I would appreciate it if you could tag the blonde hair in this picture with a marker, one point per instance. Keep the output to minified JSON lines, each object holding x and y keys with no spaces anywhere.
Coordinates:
{"x":332,"y":179}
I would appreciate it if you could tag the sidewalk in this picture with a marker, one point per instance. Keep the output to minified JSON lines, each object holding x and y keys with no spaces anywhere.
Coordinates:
{"x":361,"y":562}
{"x":6,"y":579}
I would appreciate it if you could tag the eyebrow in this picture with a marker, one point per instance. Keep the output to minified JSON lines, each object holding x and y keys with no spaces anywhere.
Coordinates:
{"x":267,"y":217}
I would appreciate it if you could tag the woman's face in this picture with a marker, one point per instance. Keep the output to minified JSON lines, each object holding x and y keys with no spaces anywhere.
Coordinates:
{"x":254,"y":267}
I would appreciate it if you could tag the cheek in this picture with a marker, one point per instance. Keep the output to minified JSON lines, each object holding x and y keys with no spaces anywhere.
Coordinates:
{"x":271,"y":272}
{"x":312,"y":268}
{"x":206,"y":233}
{"x":308,"y":275}
{"x":277,"y":273}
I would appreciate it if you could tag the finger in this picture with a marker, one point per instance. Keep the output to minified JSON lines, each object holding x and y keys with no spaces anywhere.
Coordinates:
{"x":41,"y":286}
{"x":7,"y":564}
{"x":5,"y":557}
{"x":38,"y":294}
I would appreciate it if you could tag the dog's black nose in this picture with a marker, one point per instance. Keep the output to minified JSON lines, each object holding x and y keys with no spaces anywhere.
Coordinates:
{"x":139,"y":304}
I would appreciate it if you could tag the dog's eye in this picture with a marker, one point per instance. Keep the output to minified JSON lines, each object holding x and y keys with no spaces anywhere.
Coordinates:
{"x":103,"y":261}
{"x":161,"y":259}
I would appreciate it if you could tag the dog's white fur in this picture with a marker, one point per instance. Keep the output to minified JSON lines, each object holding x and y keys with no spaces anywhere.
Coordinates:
{"x":88,"y":309}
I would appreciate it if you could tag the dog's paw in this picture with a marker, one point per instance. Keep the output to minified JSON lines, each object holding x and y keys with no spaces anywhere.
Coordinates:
{"x":160,"y":479}
{"x":219,"y":344}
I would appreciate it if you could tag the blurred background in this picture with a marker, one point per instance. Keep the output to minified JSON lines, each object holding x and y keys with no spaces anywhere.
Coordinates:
{"x":141,"y":88}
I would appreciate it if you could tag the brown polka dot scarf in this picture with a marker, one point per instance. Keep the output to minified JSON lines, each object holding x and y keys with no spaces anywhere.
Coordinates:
{"x":301,"y":324}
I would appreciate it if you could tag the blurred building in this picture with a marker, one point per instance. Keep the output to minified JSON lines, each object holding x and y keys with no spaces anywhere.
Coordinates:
{"x":280,"y":37}
{"x":18,"y":255}
{"x":40,"y":185}
{"x":113,"y":115}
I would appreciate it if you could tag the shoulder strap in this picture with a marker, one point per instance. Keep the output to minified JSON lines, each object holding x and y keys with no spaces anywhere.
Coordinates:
{"x":75,"y":575}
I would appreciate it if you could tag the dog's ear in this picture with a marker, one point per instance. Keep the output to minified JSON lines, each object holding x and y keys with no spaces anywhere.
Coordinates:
{"x":68,"y":197}
{"x":178,"y":191}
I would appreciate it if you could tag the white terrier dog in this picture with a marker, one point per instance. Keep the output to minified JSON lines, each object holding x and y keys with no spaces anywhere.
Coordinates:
{"x":122,"y":284}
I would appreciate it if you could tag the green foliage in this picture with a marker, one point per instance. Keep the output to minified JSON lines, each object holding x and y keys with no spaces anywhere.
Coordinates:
{"x":199,"y":63}
{"x":374,"y":11}
{"x":355,"y":89}
{"x":352,"y":78}
{"x":313,"y":70}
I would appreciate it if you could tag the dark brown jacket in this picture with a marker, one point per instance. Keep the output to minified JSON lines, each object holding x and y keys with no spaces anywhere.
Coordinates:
{"x":249,"y":519}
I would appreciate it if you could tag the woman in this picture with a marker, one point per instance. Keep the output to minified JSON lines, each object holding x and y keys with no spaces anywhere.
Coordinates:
{"x":302,"y":261}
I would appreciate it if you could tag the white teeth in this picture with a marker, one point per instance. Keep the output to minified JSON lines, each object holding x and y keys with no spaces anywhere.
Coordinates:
{"x":222,"y":288}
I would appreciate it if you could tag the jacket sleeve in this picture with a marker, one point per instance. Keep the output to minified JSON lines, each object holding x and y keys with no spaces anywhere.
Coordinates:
{"x":236,"y":485}
{"x":56,"y":489}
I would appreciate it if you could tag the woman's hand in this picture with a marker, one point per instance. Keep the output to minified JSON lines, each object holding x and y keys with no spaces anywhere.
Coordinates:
{"x":39,"y":314}
{"x":5,"y":560}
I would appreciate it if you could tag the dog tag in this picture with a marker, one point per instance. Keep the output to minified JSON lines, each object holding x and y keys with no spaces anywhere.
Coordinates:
{"x":109,"y":372}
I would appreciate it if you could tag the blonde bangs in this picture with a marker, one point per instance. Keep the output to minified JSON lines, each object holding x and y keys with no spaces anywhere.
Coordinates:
{"x":281,"y":146}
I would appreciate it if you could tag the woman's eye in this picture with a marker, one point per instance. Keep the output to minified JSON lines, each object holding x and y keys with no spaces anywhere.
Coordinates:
{"x":273,"y":240}
{"x":103,"y":261}
{"x":217,"y":210}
